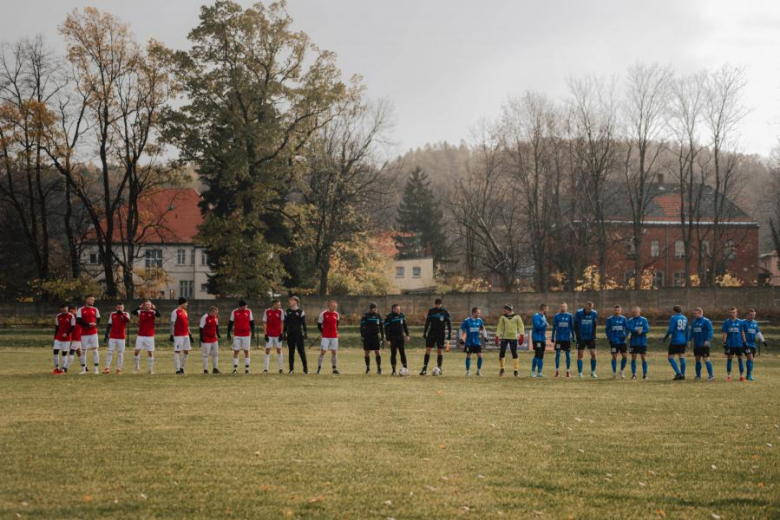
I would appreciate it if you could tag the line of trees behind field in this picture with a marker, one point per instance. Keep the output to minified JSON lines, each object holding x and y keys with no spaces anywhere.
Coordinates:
{"x":294,"y":164}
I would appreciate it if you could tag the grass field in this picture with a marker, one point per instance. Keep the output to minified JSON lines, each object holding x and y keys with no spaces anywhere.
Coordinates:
{"x":356,"y":446}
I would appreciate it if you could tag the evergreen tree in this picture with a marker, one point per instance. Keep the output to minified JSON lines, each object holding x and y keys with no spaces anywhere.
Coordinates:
{"x":420,"y":213}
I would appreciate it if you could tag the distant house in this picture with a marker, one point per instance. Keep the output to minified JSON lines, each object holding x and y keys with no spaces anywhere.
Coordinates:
{"x":408,"y":273}
{"x":169,"y":263}
{"x":769,"y":269}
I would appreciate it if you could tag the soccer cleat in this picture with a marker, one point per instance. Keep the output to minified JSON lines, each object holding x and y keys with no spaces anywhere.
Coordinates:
{"x":306,"y":371}
{"x":539,"y":375}
{"x":97,"y":371}
{"x":64,"y":370}
{"x":517,"y":374}
{"x":423,"y":372}
{"x":593,"y":375}
{"x":468,"y":373}
{"x":136,"y":371}
{"x":246,"y":370}
{"x":379,"y":371}
{"x":678,"y":377}
{"x":697,"y":378}
{"x":567,"y":374}
{"x":235,"y":371}
{"x":711,"y":378}
{"x":479,"y":373}
{"x":180,"y":372}
{"x":319,"y":370}
{"x":614,"y":375}
{"x":106,"y":370}
{"x":393,"y":372}
{"x":291,"y":372}
{"x":55,"y":372}
{"x":633,"y":377}
{"x":281,"y":371}
{"x":118,"y":371}
{"x":748,"y":378}
{"x":501,"y":373}
{"x":728,"y":379}
{"x":644,"y":377}
{"x":368,"y":370}
{"x":336,"y":372}
{"x":206,"y":372}
{"x":265,"y":372}
{"x":741,"y":378}
{"x":215,"y":371}
{"x":557,"y":373}
{"x":580,"y":375}
{"x":83,"y":371}
{"x":622,"y":374}
{"x":533,"y":374}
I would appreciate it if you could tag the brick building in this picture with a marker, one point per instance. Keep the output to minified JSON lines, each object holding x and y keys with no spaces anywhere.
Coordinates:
{"x":662,"y":250}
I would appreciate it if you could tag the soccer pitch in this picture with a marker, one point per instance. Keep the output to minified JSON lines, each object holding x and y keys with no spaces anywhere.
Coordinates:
{"x":357,"y":446}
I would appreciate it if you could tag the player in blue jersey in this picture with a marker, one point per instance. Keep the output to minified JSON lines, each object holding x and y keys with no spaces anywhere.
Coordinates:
{"x":616,"y":329}
{"x":701,"y":335}
{"x":539,"y":340}
{"x":751,"y":335}
{"x":732,"y":342}
{"x":472,"y":331}
{"x":585,"y":321}
{"x":638,"y":326}
{"x":679,"y":332}
{"x":562,"y":329}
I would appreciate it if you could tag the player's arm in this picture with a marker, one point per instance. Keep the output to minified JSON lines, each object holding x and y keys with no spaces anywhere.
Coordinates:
{"x":500,"y":328}
{"x":463,"y":332}
{"x":427,"y":325}
{"x":108,"y":328}
{"x":230,"y":326}
{"x":173,"y":323}
{"x":137,"y":312}
{"x":577,"y":327}
{"x":56,"y":327}
{"x":448,"y":322}
{"x":284,"y":326}
{"x":760,"y":337}
{"x":201,"y":326}
{"x":382,"y":330}
{"x":157,"y":313}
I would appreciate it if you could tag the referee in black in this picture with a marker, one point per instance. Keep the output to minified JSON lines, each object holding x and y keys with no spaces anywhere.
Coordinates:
{"x":372,"y":332}
{"x":295,"y":333}
{"x":437,"y":333}
{"x":397,"y":335}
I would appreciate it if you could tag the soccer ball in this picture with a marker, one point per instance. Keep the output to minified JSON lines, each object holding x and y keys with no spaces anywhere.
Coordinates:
{"x":403,"y":372}
{"x":437,"y":371}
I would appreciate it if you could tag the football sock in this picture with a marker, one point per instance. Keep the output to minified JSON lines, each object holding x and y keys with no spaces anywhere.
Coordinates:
{"x":479,"y":363}
{"x":246,"y":362}
{"x":468,"y":364}
{"x":644,"y":367}
{"x":698,"y":369}
{"x":614,"y":366}
{"x":235,"y":363}
{"x":56,"y":358}
{"x":623,"y":363}
{"x":592,"y":365}
{"x":439,"y":360}
{"x":682,"y":366}
{"x":334,"y":360}
{"x":579,"y":366}
{"x":320,"y":359}
{"x":749,"y":367}
{"x":368,"y":361}
{"x":83,"y":359}
{"x":280,"y":359}
{"x":120,"y":359}
{"x":176,"y":361}
{"x":501,"y":363}
{"x":109,"y":357}
{"x":633,"y":367}
{"x":673,"y":362}
{"x":516,"y":364}
{"x":151,"y":363}
{"x":66,"y":360}
{"x":741,"y":366}
{"x":533,"y":364}
{"x":539,"y":365}
{"x":184,"y":359}
{"x":137,"y":361}
{"x":729,"y":363}
{"x":214,"y":358}
{"x":557,"y":359}
{"x":568,"y":360}
{"x":205,"y":356}
{"x":95,"y":357}
{"x":426,"y":359}
{"x":709,"y":367}
{"x":267,"y":362}
{"x":378,"y":362}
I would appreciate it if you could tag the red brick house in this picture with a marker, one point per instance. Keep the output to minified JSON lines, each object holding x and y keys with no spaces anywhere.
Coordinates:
{"x":662,"y":249}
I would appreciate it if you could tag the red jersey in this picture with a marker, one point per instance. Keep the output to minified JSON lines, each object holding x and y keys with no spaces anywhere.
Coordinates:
{"x":146,"y":323}
{"x":65,"y":323}
{"x":241,"y":319}
{"x":118,"y":321}
{"x":273,"y":319}
{"x":75,"y":336}
{"x":209,"y":325}
{"x":89,"y":317}
{"x":329,"y":320}
{"x":180,"y":322}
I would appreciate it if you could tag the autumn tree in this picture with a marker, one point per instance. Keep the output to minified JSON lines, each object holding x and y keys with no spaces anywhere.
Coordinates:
{"x":419,"y":212}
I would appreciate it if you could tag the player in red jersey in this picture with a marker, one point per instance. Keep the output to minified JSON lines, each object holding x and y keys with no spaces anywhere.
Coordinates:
{"x":75,"y":342}
{"x":147,"y":315}
{"x":63,"y":328}
{"x":244,"y":323}
{"x":273,"y":319}
{"x":89,"y":318}
{"x":180,"y":335}
{"x":116,"y":334}
{"x":209,"y":334}
{"x":328,"y":323}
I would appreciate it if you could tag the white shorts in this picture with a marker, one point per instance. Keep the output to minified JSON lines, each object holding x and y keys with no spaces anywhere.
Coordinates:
{"x":75,"y":345}
{"x":273,"y":342}
{"x":207,"y":348}
{"x":329,"y":344}
{"x":242,"y":342}
{"x":88,"y":342}
{"x":61,"y":345}
{"x":118,"y":344}
{"x":181,"y":343}
{"x":144,"y":343}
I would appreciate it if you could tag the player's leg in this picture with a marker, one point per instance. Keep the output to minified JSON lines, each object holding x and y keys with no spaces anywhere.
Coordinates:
{"x":205,"y":351}
{"x":515,"y":358}
{"x":112,"y":344}
{"x":580,"y":355}
{"x":291,"y":353}
{"x":120,"y":355}
{"x":65,"y":355}
{"x":279,"y":355}
{"x":236,"y":352}
{"x":468,"y":361}
{"x":439,"y":353}
{"x":741,"y":361}
{"x":682,"y":361}
{"x":633,"y":365}
{"x":673,"y":363}
{"x":137,"y":355}
{"x":644,"y":365}
{"x":708,"y":364}
{"x":402,"y":353}
{"x":623,"y":362}
{"x":539,"y":353}
{"x":729,"y":363}
{"x":333,"y":345}
{"x":246,"y":345}
{"x":614,"y":351}
{"x":177,"y":354}
{"x":267,"y":355}
{"x":593,"y":361}
{"x":185,"y":351}
{"x":567,"y":349}
{"x":393,"y":356}
{"x":429,"y":342}
{"x":378,"y":357}
{"x":302,"y":352}
{"x":479,"y":363}
{"x":367,"y":354}
{"x":557,"y":359}
{"x":323,"y":351}
{"x":56,"y":357}
{"x":215,"y":357}
{"x":534,"y":360}
{"x":750,"y":358}
{"x":82,"y":353}
{"x":149,"y":347}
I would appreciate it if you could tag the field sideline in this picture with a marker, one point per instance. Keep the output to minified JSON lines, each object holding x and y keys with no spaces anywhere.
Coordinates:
{"x":356,"y":446}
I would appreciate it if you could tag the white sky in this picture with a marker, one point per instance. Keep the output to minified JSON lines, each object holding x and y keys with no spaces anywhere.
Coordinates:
{"x":445,"y":64}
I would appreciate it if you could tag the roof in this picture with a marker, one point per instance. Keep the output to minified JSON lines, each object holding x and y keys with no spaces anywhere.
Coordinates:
{"x":167,"y":216}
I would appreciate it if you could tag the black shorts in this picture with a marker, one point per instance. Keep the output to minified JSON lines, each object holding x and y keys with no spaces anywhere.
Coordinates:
{"x":371,"y":343}
{"x":434,"y":341}
{"x":676,"y":349}
{"x":615,"y":348}
{"x":397,"y":342}
{"x":735,"y":351}
{"x":638,"y":349}
{"x":586,"y":344}
{"x":563,"y":345}
{"x":540,"y":346}
{"x":474,"y":349}
{"x":701,"y":351}
{"x":751,"y":350}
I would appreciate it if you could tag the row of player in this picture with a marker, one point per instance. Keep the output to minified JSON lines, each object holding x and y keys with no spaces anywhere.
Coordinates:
{"x":76,"y":333}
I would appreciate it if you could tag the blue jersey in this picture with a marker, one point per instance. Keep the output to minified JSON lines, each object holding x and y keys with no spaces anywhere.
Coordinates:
{"x":540,"y":327}
{"x":751,"y":330}
{"x":733,"y":331}
{"x":616,"y":329}
{"x":585,"y":324}
{"x":562,"y":326}
{"x":678,"y":330}
{"x":702,"y":332}
{"x":638,"y":327}
{"x":473,"y":328}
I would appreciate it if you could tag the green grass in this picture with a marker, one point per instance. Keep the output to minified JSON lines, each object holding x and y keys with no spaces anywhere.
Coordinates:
{"x":356,"y":446}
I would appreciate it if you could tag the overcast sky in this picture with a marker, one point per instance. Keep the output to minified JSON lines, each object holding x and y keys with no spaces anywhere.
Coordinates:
{"x":445,"y":64}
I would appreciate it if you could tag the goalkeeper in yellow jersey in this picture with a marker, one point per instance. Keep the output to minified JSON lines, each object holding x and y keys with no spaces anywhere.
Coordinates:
{"x":510,"y":330}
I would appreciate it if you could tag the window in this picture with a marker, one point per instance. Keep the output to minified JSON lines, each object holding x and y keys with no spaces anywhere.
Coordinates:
{"x":416,"y":272}
{"x":186,"y":288}
{"x":655,"y":248}
{"x":679,"y":249}
{"x":192,"y":257}
{"x":658,"y":279}
{"x":399,"y":272}
{"x":93,"y":259}
{"x":679,"y":279}
{"x":204,"y":288}
{"x":153,"y":258}
{"x":729,"y":250}
{"x":630,"y":248}
{"x":181,"y":257}
{"x":204,"y":258}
